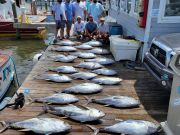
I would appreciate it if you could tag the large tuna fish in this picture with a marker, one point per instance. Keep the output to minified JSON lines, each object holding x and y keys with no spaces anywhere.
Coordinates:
{"x":85,"y":88}
{"x":84,"y":47}
{"x":64,"y":49}
{"x":102,"y":61}
{"x":77,"y":113}
{"x":94,"y":43}
{"x":129,"y":127}
{"x":83,"y":75}
{"x":44,"y":126}
{"x":59,"y":98}
{"x":54,"y":78}
{"x":107,"y":80}
{"x":65,"y":43}
{"x":63,"y":58}
{"x":84,"y":55}
{"x":117,"y":101}
{"x":105,"y":71}
{"x":64,"y":69}
{"x":89,"y":65}
{"x":99,"y":51}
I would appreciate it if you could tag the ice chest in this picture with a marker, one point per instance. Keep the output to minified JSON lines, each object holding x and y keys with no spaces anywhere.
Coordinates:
{"x":123,"y":49}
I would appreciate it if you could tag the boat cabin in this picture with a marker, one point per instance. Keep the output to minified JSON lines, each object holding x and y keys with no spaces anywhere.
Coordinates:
{"x":146,"y":19}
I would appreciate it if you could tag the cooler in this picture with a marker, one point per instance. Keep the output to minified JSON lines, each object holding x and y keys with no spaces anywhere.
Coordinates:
{"x":123,"y":49}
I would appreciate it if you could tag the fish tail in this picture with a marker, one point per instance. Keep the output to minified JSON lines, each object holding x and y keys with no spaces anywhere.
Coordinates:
{"x":56,"y":91}
{"x":38,"y":77}
{"x":46,"y":108}
{"x":5,"y":126}
{"x":159,"y":129}
{"x":30,"y":100}
{"x":96,"y":130}
{"x":51,"y":69}
{"x":89,"y":100}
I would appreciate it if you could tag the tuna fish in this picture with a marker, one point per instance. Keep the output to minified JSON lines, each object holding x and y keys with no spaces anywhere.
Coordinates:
{"x":102,"y":61}
{"x":89,"y":65}
{"x":100,"y":51}
{"x":94,"y":43}
{"x":87,"y":55}
{"x":105,"y":71}
{"x":54,"y":78}
{"x":84,"y":47}
{"x":83,"y":75}
{"x":64,"y":69}
{"x":85,"y":88}
{"x":77,"y":113}
{"x":84,"y":55}
{"x":63,"y":58}
{"x":107,"y":80}
{"x":65,"y":43}
{"x":64,"y":49}
{"x":117,"y":101}
{"x":44,"y":126}
{"x":59,"y":98}
{"x":129,"y":127}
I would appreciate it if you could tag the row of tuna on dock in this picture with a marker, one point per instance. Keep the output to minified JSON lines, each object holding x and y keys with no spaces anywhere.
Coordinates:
{"x":63,"y":99}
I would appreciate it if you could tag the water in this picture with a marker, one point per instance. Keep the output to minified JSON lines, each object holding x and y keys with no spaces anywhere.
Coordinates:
{"x":22,"y":51}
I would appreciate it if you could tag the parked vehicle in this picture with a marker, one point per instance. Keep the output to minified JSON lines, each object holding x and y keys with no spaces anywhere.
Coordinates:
{"x":158,"y":58}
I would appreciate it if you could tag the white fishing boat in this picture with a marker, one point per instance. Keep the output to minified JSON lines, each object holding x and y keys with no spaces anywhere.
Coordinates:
{"x":7,"y":76}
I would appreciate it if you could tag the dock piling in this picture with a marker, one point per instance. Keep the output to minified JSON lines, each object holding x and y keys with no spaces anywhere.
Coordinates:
{"x":15,"y":18}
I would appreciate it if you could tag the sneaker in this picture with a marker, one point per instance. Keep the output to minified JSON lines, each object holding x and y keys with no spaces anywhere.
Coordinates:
{"x":67,"y":36}
{"x":81,"y":37}
{"x":55,"y":41}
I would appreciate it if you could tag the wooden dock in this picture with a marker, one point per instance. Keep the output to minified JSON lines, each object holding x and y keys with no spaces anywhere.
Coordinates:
{"x":138,"y":84}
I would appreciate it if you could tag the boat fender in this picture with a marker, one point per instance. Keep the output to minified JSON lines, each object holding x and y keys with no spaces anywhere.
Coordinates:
{"x":36,"y":58}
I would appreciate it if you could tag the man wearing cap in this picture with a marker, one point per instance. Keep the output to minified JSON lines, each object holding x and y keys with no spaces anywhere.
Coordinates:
{"x":103,"y":29}
{"x":78,"y":29}
{"x":91,"y":28}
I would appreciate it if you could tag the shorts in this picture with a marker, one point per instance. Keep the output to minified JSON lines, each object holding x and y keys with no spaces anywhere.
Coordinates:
{"x":69,"y":24}
{"x":60,"y":24}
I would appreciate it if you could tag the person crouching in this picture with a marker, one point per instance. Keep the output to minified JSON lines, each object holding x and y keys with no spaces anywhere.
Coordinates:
{"x":91,"y":29}
{"x":78,"y":29}
{"x":103,"y":30}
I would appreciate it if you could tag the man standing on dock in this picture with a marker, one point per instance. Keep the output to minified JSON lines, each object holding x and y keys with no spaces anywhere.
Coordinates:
{"x":96,"y":10}
{"x":60,"y":17}
{"x":79,"y":9}
{"x":69,"y":16}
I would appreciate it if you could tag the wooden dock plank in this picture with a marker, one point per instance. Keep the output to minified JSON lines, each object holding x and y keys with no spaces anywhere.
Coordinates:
{"x":138,"y":84}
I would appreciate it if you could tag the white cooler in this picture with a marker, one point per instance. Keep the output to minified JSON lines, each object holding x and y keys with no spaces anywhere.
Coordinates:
{"x":123,"y":49}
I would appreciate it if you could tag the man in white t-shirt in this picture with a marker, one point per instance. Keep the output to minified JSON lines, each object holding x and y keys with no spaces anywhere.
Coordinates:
{"x":103,"y":29}
{"x":96,"y":10}
{"x":79,"y":9}
{"x":78,"y":29}
{"x":60,"y":17}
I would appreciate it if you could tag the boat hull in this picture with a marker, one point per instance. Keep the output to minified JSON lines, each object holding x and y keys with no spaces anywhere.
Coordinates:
{"x":6,"y":28}
{"x":6,"y":74}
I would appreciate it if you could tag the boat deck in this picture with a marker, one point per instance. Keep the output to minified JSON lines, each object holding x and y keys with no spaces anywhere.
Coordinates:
{"x":138,"y":84}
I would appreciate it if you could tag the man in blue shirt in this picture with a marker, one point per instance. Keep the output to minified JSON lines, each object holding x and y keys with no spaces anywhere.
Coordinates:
{"x":69,"y":16}
{"x":91,"y":28}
